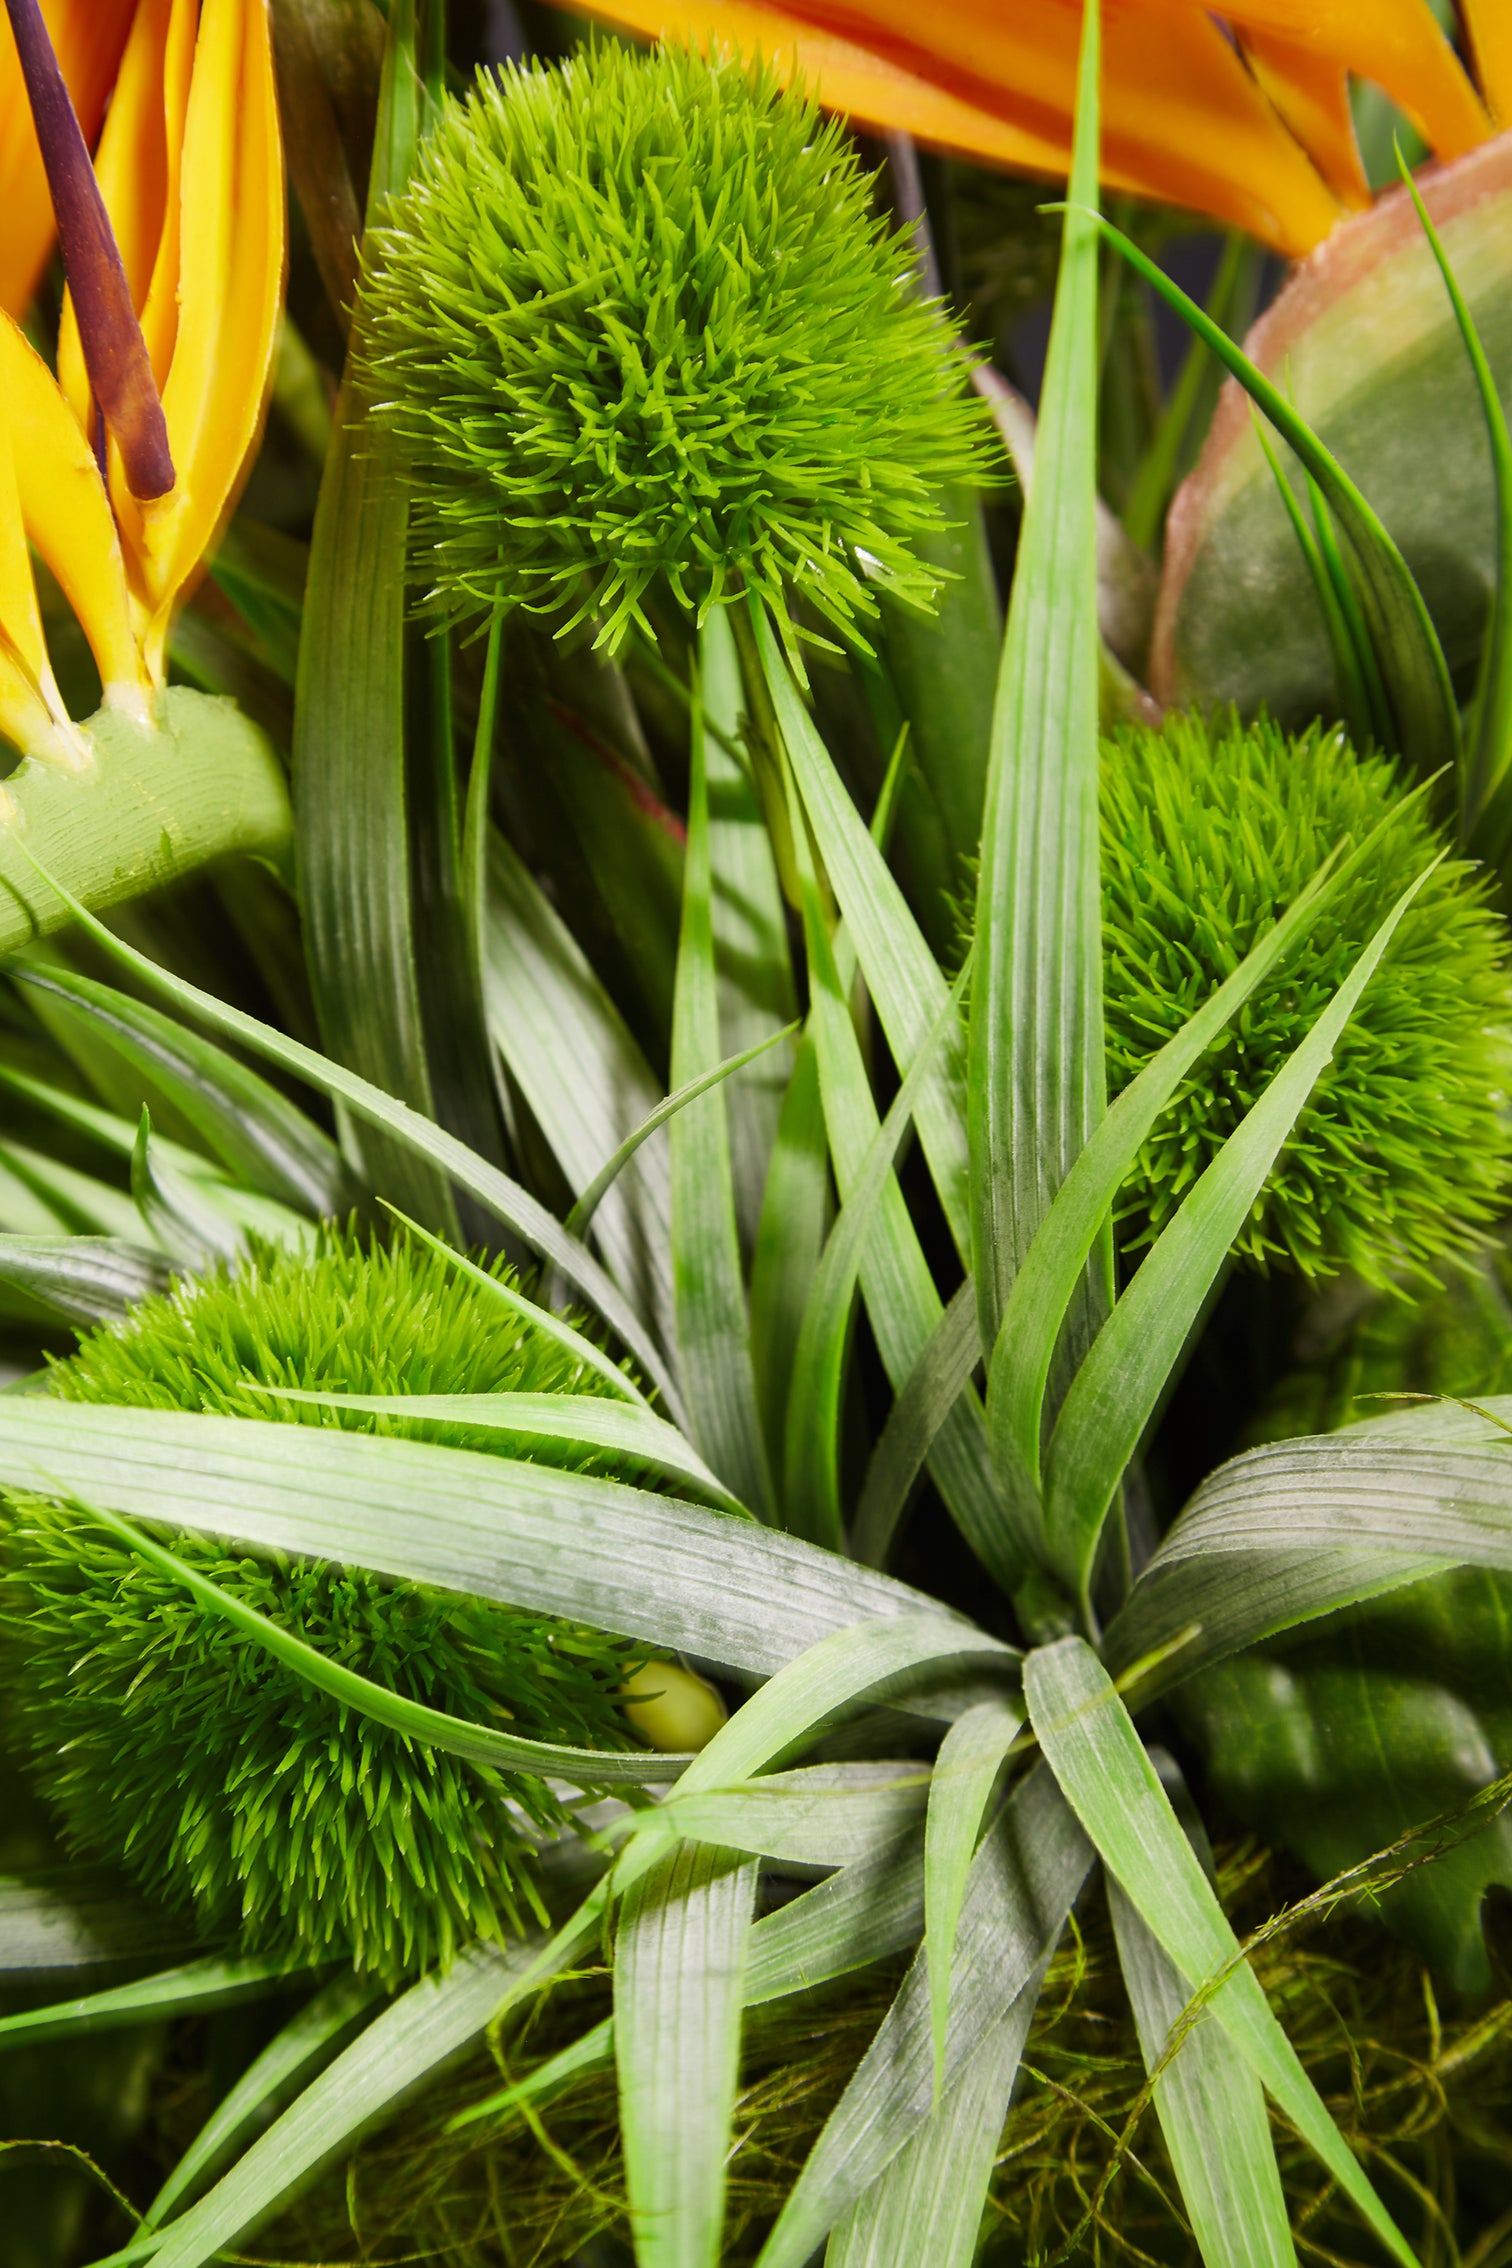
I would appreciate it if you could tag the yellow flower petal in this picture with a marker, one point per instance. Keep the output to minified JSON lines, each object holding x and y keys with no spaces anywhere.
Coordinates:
{"x":137,"y":165}
{"x":1183,"y":118}
{"x":1311,"y":93}
{"x":229,"y":291}
{"x":1490,"y":23}
{"x":67,"y":517}
{"x":31,"y":709}
{"x":88,"y":36}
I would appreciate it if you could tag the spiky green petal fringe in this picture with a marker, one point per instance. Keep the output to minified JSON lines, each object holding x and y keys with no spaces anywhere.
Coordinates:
{"x":1208,"y":834}
{"x":177,"y":1747}
{"x":635,"y":319}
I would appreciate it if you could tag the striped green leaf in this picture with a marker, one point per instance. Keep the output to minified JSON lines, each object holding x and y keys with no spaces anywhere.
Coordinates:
{"x":1036,"y":1064}
{"x":1090,"y":1744}
{"x":679,"y":1964}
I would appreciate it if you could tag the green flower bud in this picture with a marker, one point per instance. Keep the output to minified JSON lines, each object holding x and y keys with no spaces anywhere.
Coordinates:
{"x":634,"y":321}
{"x":175,"y":1747}
{"x":1401,"y":1155}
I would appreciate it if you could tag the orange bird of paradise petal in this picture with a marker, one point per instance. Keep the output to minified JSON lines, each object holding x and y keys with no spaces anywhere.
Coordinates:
{"x":190,"y":168}
{"x":1240,"y":112}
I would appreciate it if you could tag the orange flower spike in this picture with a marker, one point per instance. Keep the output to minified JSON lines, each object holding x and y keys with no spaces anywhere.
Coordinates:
{"x":230,"y":224}
{"x":89,"y":36}
{"x":1311,"y":94}
{"x":1397,"y":44}
{"x":1490,"y":26}
{"x":1271,"y":150}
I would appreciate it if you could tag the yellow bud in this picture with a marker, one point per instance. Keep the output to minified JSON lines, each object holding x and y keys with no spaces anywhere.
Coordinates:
{"x":671,"y":1707}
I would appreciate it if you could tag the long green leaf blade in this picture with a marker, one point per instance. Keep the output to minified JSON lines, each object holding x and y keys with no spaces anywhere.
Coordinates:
{"x":306,"y":2040}
{"x":812,"y":1491}
{"x":713,"y":1322}
{"x":902,"y":975}
{"x":423,"y":2030}
{"x":757,"y":1001}
{"x":1300,"y":1529}
{"x":589,"y":1419}
{"x":927,"y":2207}
{"x":1036,"y":1068}
{"x":795,"y":1211}
{"x":926,"y":1399}
{"x":256,"y":1133}
{"x":350,"y":788}
{"x":1490,"y":751}
{"x":901,"y":1298}
{"x":1092,"y":1747}
{"x":679,"y":1982}
{"x":480,"y":1744}
{"x":218,"y":1981}
{"x":77,"y":1920}
{"x":1407,"y":649}
{"x":504,"y":1198}
{"x":622,"y":1559}
{"x":1044,"y":1287}
{"x":1021,"y":1886}
{"x":972,"y":1754}
{"x":585,"y":1080}
{"x":1211,"y":2109}
{"x":1118,"y":1385}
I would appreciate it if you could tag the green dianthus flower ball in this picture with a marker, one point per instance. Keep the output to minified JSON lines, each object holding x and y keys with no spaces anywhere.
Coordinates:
{"x":178,"y":1748}
{"x":1209,"y":833}
{"x":634,"y":319}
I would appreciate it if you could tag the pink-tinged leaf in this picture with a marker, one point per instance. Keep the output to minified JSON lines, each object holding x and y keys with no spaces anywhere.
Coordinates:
{"x":1364,"y":341}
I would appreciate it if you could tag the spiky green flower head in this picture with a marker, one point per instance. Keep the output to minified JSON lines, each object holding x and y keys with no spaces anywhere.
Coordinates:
{"x":634,"y":319}
{"x":1209,"y":833}
{"x":178,"y":1748}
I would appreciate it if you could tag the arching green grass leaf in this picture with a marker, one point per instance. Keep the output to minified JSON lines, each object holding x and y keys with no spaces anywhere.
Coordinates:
{"x":1092,"y":1747}
{"x":1119,"y":1383}
{"x":1407,"y":649}
{"x":504,"y":1198}
{"x":972,"y":1755}
{"x":256,"y":1132}
{"x":812,"y":1490}
{"x":713,"y":1323}
{"x":928,"y":2204}
{"x":582,"y":1418}
{"x":678,"y":1994}
{"x":1022,"y":1882}
{"x":85,"y":1279}
{"x":1211,"y":2109}
{"x":591,"y":1550}
{"x":1037,"y":1078}
{"x":925,"y":1400}
{"x":218,"y":1981}
{"x":306,"y":2041}
{"x":582,"y":1074}
{"x":902,"y":975}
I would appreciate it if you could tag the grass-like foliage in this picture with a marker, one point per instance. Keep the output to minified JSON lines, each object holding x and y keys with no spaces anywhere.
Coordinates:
{"x":1209,"y":833}
{"x":178,"y":1747}
{"x":633,"y":319}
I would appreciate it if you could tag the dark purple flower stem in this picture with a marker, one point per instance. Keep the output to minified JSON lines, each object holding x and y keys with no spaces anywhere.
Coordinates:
{"x":115,"y":353}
